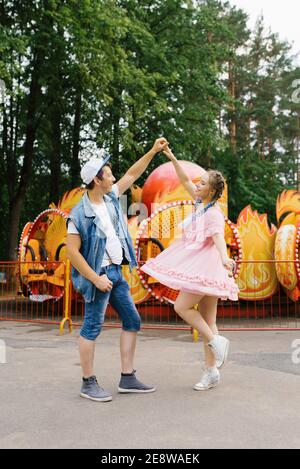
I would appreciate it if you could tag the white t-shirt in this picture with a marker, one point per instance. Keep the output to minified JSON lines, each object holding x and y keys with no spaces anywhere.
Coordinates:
{"x":113,"y":251}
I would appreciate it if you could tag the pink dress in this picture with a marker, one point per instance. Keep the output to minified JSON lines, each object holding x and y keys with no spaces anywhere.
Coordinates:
{"x":193,"y":264}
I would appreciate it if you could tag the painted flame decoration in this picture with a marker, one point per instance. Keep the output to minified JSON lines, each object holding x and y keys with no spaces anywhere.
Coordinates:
{"x":288,"y":204}
{"x":47,"y":231}
{"x":138,"y":292}
{"x":69,"y":199}
{"x":285,"y":249}
{"x":256,"y":281}
{"x":287,"y":242}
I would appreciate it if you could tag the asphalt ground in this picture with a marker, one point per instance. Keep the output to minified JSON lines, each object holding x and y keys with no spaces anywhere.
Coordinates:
{"x":256,"y":405}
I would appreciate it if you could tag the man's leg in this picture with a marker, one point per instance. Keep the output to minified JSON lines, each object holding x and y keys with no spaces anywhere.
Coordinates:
{"x":93,"y":320}
{"x":121,"y":300}
{"x":87,"y":353}
{"x":94,"y":314}
{"x":127,"y":350}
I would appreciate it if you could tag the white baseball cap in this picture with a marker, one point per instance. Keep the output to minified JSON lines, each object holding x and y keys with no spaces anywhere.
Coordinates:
{"x":92,"y":167}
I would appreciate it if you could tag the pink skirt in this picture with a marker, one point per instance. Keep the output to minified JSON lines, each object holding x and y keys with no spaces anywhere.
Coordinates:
{"x":193,"y":268}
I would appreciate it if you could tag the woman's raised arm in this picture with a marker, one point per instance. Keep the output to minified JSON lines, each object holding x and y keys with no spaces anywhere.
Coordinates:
{"x":182,"y":175}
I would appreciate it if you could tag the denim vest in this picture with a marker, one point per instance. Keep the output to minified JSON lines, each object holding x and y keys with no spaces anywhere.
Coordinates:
{"x":93,"y":239}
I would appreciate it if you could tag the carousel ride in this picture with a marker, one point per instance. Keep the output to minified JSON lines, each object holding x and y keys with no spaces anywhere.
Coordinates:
{"x":156,"y":212}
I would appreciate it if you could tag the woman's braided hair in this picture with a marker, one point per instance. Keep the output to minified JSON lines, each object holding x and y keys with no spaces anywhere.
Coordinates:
{"x":217,"y":183}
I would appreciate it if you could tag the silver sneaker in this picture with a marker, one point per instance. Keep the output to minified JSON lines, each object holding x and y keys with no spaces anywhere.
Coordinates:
{"x":91,"y":390}
{"x":220,"y":348}
{"x":218,"y":365}
{"x":210,"y":379}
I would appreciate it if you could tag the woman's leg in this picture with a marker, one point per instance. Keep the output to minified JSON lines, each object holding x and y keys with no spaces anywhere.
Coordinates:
{"x":184,"y":308}
{"x":208,"y":308}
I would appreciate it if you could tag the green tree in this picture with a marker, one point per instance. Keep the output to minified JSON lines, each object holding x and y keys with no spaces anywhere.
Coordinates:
{"x":119,"y":73}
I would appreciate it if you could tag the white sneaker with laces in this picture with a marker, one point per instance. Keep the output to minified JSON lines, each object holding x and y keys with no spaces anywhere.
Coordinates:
{"x":210,"y":379}
{"x":218,"y":365}
{"x":220,"y":348}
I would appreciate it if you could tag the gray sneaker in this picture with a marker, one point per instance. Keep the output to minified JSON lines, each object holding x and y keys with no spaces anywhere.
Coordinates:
{"x":129,"y":383}
{"x":90,"y":389}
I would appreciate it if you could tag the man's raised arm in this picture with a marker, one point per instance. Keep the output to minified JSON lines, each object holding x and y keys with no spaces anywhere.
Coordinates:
{"x":140,"y":166}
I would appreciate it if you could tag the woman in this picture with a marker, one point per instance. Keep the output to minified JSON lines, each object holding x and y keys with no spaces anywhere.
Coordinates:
{"x":198,"y":265}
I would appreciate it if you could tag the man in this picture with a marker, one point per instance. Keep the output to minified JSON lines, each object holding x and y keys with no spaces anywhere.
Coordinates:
{"x":98,"y":243}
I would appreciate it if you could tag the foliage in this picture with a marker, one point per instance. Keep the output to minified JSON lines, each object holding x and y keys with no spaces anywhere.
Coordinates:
{"x":120,"y":73}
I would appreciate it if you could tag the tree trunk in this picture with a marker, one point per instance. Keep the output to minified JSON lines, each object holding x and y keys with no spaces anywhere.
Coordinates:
{"x":270,"y":139}
{"x":220,"y":124}
{"x":16,"y":203}
{"x":32,"y":122}
{"x":55,"y":153}
{"x":11,"y":164}
{"x":232,"y":110}
{"x":115,"y":147}
{"x":3,"y":175}
{"x":75,"y":164}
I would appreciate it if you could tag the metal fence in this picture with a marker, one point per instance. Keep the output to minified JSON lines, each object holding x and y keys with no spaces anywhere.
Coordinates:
{"x":42,"y":293}
{"x":32,"y":292}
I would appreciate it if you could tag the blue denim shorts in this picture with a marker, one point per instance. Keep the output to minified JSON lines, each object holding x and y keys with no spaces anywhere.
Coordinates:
{"x":120,"y":299}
